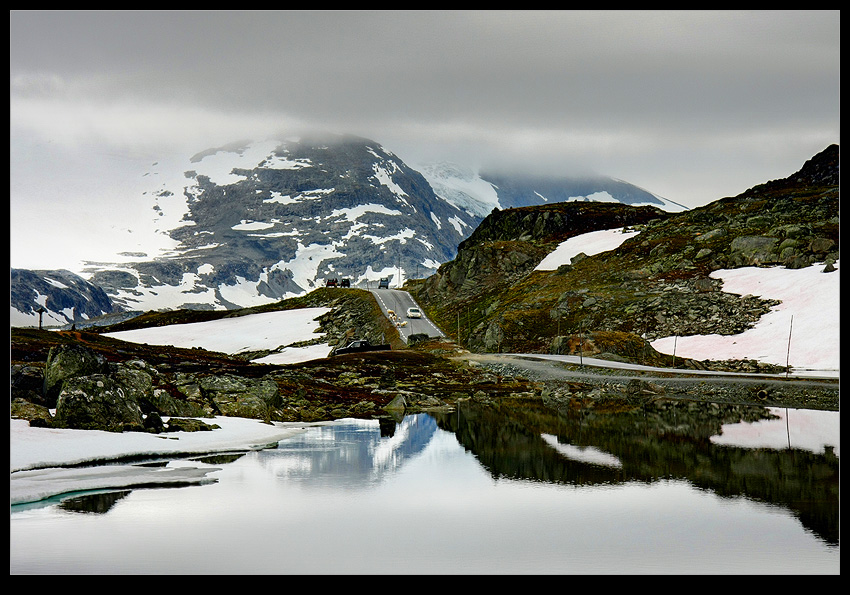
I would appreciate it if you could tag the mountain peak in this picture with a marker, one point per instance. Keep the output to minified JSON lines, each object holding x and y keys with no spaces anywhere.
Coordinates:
{"x":820,"y":170}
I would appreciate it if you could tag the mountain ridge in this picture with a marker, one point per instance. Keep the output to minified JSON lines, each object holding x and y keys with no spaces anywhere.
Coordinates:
{"x":253,"y":222}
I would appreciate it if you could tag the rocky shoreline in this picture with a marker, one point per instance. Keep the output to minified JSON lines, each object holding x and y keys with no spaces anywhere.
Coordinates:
{"x":77,"y":386}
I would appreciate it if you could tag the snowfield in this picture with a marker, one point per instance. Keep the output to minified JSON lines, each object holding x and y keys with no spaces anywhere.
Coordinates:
{"x":594,"y":242}
{"x":808,"y":295}
{"x":254,"y":332}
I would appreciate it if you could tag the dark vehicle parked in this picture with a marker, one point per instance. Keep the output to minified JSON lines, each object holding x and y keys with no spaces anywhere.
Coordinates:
{"x":359,"y":346}
{"x":384,"y":283}
{"x":345,"y":283}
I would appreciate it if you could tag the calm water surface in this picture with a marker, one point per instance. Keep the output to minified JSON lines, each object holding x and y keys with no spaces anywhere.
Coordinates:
{"x":476,"y":491}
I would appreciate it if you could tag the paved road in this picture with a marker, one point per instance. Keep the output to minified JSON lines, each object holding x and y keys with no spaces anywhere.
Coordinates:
{"x":399,"y":301}
{"x":601,"y":363}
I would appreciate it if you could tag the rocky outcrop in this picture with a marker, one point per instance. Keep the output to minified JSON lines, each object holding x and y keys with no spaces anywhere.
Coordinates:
{"x":69,"y":361}
{"x":135,"y":395}
{"x":241,"y":397}
{"x":658,"y":283}
{"x":506,"y":247}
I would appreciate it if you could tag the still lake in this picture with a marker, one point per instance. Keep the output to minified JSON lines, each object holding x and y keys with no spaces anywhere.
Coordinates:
{"x":481,"y":490}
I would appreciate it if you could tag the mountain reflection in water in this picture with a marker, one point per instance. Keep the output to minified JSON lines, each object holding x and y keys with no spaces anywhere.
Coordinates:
{"x":350,"y":453}
{"x":670,"y":440}
{"x":581,"y":447}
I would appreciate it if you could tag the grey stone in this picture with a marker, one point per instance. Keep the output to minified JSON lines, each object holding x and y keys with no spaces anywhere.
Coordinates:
{"x":96,"y":402}
{"x":70,"y":361}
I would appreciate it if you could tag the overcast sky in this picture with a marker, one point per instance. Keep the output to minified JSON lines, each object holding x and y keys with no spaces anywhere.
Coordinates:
{"x":692,"y":106}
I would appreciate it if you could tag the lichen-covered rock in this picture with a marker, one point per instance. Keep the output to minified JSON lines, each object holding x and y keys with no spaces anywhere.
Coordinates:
{"x":97,"y":402}
{"x":163,"y":403}
{"x":183,"y":424}
{"x":27,"y":382}
{"x":137,"y":383}
{"x":69,"y":361}
{"x":241,"y":397}
{"x":753,"y":250}
{"x":37,"y":415}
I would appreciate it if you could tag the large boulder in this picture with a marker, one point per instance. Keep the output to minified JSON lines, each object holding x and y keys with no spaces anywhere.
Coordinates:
{"x":162,"y":402}
{"x":97,"y":402}
{"x":753,"y":251}
{"x":69,"y":361}
{"x":27,"y":382}
{"x":241,"y":397}
{"x":37,"y":415}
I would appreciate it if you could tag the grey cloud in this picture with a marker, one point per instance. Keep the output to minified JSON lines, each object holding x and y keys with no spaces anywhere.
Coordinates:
{"x":628,"y":91}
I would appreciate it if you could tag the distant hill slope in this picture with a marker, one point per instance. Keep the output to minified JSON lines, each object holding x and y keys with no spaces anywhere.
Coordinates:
{"x":64,"y":297}
{"x":655,"y":284}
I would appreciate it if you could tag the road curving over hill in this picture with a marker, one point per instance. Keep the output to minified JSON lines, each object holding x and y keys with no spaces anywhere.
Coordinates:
{"x":398,"y":301}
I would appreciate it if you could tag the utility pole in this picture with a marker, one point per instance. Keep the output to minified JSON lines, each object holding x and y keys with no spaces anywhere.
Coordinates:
{"x":675,"y":340}
{"x":581,"y":344}
{"x":788,"y":353}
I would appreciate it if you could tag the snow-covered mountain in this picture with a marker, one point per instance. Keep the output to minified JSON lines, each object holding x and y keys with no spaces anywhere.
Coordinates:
{"x":255,"y":222}
{"x":478,"y":193}
{"x":60,"y":297}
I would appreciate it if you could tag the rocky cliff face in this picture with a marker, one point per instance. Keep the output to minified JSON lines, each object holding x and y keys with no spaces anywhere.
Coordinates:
{"x":504,"y":250}
{"x":654,"y":284}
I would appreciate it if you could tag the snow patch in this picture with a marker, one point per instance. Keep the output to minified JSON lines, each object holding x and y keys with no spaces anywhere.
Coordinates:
{"x":458,"y":224}
{"x":55,"y":283}
{"x":402,"y":237}
{"x":594,"y":242}
{"x":244,"y":293}
{"x":305,"y":265}
{"x":384,"y":176}
{"x":354,"y":213}
{"x":277,"y":197}
{"x":244,"y":225}
{"x":809,"y":295}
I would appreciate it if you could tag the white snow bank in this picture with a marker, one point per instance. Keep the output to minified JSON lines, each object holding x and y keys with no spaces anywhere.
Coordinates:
{"x":809,"y":295}
{"x":294,"y":355}
{"x":267,"y":330}
{"x":594,"y":242}
{"x":41,"y":447}
{"x":36,"y":454}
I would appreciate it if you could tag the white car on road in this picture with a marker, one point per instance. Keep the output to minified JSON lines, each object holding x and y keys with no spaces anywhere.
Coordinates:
{"x":414,"y":313}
